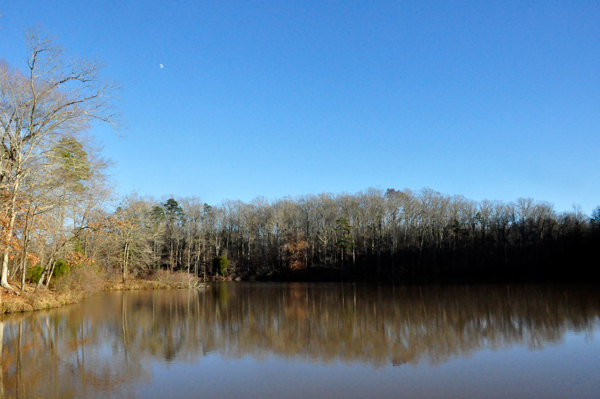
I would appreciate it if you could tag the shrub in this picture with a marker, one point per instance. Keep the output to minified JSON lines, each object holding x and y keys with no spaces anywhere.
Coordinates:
{"x":220,"y":265}
{"x":178,"y":278}
{"x":81,"y":278}
{"x":61,"y":268}
{"x":34,"y":274}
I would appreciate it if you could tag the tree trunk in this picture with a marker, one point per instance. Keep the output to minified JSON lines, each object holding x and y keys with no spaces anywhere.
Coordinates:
{"x":9,"y":235}
{"x":125,"y":258}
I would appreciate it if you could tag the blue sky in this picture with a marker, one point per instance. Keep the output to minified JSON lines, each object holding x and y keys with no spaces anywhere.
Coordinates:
{"x":496,"y":100}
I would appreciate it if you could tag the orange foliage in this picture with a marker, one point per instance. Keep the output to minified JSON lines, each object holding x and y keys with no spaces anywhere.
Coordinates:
{"x":295,"y":248}
{"x":8,"y":242}
{"x":75,"y":258}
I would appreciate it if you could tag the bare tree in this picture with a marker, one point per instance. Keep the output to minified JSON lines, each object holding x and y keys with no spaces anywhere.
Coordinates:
{"x":54,"y":97}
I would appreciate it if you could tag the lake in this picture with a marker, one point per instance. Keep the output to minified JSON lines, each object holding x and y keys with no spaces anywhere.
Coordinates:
{"x":267,"y":340}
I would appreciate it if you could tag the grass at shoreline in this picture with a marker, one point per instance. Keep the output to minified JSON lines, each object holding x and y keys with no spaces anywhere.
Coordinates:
{"x":29,"y":300}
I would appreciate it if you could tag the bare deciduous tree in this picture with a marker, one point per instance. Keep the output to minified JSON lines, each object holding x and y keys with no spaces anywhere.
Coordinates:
{"x":54,"y":97}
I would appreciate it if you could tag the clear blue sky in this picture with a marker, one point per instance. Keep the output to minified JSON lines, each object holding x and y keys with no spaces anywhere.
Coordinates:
{"x":488,"y":99}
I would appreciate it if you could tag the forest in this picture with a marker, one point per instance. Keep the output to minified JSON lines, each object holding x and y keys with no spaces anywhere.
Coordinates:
{"x":371,"y":235}
{"x":60,"y":219}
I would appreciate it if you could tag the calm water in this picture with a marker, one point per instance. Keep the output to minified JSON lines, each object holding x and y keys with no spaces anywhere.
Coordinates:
{"x":311,"y":341}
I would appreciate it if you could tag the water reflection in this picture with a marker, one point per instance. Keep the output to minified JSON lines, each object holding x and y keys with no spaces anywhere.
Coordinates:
{"x":107,"y":345}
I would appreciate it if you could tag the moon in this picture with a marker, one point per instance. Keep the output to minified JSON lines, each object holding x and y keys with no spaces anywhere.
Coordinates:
{"x":161,"y":66}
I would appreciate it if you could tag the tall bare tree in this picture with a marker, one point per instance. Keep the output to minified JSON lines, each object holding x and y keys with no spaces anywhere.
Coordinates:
{"x":53,"y":97}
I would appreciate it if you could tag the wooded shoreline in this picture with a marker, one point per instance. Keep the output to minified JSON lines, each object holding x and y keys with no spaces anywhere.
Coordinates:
{"x":62,"y":227}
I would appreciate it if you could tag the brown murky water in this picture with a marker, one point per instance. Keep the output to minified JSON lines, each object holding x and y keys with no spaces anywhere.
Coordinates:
{"x":311,"y":341}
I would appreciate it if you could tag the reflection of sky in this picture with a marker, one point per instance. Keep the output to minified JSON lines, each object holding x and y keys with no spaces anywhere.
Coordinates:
{"x":560,"y":370}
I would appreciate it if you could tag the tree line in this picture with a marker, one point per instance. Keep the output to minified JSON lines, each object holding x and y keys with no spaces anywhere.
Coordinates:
{"x":57,"y":217}
{"x":370,"y":235}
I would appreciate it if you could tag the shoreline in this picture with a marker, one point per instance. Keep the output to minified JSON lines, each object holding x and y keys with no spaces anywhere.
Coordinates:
{"x":30,"y":300}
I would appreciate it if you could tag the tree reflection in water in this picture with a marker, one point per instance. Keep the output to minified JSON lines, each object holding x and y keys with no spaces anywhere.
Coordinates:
{"x":108,"y":344}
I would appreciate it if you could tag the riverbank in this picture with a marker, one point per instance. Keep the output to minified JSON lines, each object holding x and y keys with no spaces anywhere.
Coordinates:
{"x":29,"y":300}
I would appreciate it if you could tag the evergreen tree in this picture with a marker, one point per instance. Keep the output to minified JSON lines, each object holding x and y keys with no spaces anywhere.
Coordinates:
{"x":220,"y":265}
